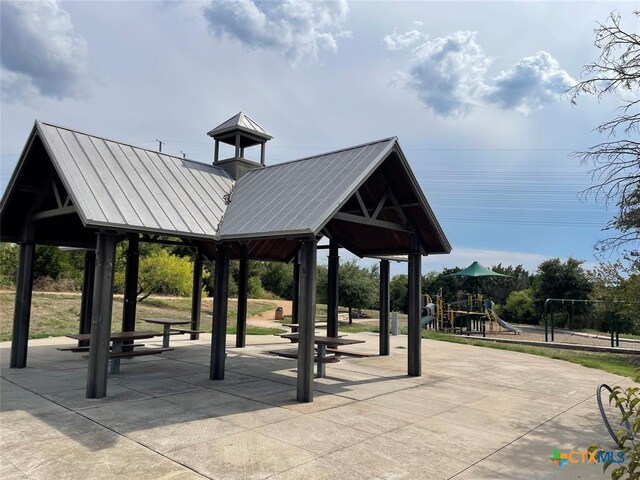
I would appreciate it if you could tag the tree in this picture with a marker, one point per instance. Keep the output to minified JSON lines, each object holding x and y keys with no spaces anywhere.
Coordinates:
{"x":164,"y":273}
{"x":616,"y":286}
{"x":498,"y":289}
{"x":278,"y":279}
{"x":8,"y":263}
{"x":555,"y":279}
{"x":399,"y":293}
{"x":358,"y":287}
{"x":616,"y":162}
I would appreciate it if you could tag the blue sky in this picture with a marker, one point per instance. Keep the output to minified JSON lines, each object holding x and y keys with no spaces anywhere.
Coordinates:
{"x":473,"y":90}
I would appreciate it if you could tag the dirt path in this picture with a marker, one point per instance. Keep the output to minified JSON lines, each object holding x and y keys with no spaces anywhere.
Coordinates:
{"x":267,"y":319}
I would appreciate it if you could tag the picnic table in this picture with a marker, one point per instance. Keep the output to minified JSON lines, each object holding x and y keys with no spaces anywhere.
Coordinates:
{"x":117,"y":341}
{"x":167,"y":324}
{"x":322,"y":343}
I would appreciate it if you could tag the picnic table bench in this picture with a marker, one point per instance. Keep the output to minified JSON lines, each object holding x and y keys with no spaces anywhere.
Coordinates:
{"x":322,"y":343}
{"x":295,"y":327}
{"x":167,"y":331}
{"x":117,"y":341}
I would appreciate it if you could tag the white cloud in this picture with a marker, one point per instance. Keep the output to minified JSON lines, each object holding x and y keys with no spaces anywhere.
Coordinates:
{"x":300,"y":30}
{"x":398,"y":41}
{"x":449,"y":75}
{"x":530,"y":84}
{"x":41,"y":51}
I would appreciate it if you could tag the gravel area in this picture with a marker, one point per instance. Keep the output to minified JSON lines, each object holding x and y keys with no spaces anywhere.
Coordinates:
{"x":536,"y":334}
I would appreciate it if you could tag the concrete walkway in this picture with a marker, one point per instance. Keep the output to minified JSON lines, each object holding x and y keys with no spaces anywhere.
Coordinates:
{"x":477,"y":413}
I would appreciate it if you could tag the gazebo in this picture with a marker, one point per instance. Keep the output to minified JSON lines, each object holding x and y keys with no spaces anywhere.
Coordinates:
{"x":75,"y":189}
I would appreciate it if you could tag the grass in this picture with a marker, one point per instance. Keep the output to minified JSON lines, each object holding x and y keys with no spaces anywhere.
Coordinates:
{"x":624,"y":365}
{"x":58,"y":314}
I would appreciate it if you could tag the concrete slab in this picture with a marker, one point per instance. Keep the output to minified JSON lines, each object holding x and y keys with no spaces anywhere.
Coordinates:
{"x":314,"y":434}
{"x":75,"y":399}
{"x":247,"y":455}
{"x":476,"y":413}
{"x":321,"y":469}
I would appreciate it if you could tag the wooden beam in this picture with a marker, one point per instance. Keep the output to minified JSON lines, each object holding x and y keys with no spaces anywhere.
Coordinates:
{"x":87,"y":294}
{"x":365,"y":212}
{"x":101,"y":316}
{"x":243,"y":292}
{"x":414,"y":367}
{"x":56,"y":193}
{"x":306,"y":320}
{"x":29,"y":189}
{"x":196,"y":294}
{"x":384,"y":307}
{"x":22,"y":309}
{"x":333,"y":280}
{"x":56,"y":212}
{"x":130,"y":302}
{"x":347,"y":217}
{"x":221,"y":297}
{"x":380,"y":206}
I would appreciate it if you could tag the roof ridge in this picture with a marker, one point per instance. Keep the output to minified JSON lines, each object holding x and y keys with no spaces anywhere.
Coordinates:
{"x":327,"y":153}
{"x":128,"y":144}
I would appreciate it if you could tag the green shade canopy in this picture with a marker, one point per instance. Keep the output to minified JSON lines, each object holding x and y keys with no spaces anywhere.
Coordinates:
{"x":477,"y":270}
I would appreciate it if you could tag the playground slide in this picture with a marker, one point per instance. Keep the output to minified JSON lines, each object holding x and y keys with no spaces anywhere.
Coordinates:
{"x":426,"y":321}
{"x":504,"y":324}
{"x":428,"y":315}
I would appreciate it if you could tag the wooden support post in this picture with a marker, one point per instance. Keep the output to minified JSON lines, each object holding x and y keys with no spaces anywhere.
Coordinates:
{"x":22,"y":309}
{"x":221,"y":296}
{"x":295,"y":294}
{"x":237,"y":154}
{"x":262,"y":159}
{"x":243,"y":291}
{"x":332,"y":290}
{"x":216,"y":151}
{"x":307,"y":320}
{"x":196,"y":294}
{"x":384,"y":307}
{"x":131,"y":284}
{"x":87,"y":294}
{"x":415,"y":341}
{"x":101,"y":315}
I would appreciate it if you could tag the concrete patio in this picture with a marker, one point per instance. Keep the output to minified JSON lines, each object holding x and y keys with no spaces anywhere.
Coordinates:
{"x":476,"y":413}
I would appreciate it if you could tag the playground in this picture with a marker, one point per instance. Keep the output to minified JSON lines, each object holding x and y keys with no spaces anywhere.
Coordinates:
{"x":472,"y":314}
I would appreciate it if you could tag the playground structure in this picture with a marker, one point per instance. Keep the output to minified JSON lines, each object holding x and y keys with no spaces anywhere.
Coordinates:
{"x":469,"y":314}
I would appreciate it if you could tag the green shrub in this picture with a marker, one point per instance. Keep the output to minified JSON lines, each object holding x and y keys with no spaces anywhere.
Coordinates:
{"x":520,"y":308}
{"x":165,"y":274}
{"x":629,"y":399}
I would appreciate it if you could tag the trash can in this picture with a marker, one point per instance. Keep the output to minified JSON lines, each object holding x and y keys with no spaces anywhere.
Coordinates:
{"x":279,"y":313}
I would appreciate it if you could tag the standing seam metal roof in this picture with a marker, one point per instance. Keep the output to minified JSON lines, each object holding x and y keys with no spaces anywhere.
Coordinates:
{"x":121,"y":186}
{"x":299,"y":196}
{"x":115,"y":184}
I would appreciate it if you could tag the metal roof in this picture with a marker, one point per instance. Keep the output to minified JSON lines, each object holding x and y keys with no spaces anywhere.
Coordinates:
{"x":118,"y":185}
{"x":240,"y":122}
{"x":122,"y":187}
{"x":299,"y":197}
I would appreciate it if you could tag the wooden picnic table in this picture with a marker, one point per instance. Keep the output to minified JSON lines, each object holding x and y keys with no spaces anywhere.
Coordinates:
{"x":323,"y":343}
{"x":167,"y":323}
{"x":117,"y":340}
